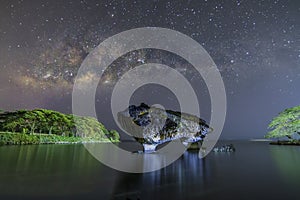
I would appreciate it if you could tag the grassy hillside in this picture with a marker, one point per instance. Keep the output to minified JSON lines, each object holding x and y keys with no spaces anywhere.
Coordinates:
{"x":42,"y":126}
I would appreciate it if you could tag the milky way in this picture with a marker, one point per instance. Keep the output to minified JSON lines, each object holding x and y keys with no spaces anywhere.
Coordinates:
{"x":255,"y":45}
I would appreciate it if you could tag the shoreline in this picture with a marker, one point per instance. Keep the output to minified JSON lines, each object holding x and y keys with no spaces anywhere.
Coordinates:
{"x":290,"y":143}
{"x":10,"y":138}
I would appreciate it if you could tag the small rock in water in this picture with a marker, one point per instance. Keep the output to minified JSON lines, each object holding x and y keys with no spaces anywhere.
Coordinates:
{"x":225,"y":148}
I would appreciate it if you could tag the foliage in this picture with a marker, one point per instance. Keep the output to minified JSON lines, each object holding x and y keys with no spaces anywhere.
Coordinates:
{"x":114,"y":135}
{"x":286,"y":124}
{"x":41,"y":121}
{"x":8,"y":138}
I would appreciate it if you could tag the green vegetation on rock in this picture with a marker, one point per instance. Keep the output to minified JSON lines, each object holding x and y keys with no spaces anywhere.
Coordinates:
{"x":286,"y":124}
{"x":34,"y":126}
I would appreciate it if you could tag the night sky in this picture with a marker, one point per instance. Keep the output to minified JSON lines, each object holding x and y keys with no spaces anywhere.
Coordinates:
{"x":255,"y":44}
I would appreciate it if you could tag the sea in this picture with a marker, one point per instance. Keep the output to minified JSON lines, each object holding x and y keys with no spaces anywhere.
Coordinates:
{"x":256,"y":170}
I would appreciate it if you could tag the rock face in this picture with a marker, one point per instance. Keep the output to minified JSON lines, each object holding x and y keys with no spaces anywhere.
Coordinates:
{"x":152,"y":126}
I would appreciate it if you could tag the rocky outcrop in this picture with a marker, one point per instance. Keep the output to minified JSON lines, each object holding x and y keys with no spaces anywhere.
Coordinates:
{"x":152,"y":126}
{"x":225,"y":148}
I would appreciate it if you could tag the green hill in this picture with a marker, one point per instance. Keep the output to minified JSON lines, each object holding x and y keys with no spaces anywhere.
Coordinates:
{"x":42,"y":126}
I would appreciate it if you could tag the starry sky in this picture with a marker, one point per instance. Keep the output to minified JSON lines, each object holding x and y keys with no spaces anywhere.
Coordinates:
{"x":255,"y":45}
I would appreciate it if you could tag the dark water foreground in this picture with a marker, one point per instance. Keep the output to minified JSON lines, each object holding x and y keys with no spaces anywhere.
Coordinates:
{"x":255,"y":171}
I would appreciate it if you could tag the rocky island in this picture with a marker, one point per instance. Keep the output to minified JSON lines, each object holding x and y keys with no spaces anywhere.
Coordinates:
{"x":152,"y":126}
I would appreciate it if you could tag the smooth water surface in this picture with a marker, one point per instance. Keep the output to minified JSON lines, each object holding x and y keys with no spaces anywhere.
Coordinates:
{"x":255,"y":171}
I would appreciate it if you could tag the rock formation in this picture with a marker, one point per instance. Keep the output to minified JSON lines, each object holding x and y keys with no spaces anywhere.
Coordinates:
{"x":152,"y":126}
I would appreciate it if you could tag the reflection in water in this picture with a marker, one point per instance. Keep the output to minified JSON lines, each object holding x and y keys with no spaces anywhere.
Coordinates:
{"x":180,"y":172}
{"x":188,"y":172}
{"x":45,"y":157}
{"x":287,"y":159}
{"x":117,"y":158}
{"x":47,"y":170}
{"x":70,"y":172}
{"x":248,"y":173}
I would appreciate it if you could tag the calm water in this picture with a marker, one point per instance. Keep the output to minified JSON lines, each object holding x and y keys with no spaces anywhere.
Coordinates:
{"x":255,"y":171}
